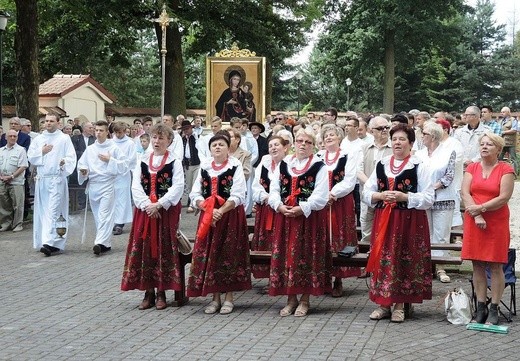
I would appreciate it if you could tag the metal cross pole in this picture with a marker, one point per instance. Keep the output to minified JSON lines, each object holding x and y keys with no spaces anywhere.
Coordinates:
{"x":164,"y":20}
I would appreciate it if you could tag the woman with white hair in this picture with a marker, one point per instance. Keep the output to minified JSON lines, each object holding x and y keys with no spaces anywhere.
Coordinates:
{"x":301,"y":258}
{"x":441,"y":163}
{"x":341,"y":218}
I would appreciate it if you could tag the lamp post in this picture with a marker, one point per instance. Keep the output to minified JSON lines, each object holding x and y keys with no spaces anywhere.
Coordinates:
{"x":349,"y":83}
{"x":3,"y":23}
{"x":298,"y":79}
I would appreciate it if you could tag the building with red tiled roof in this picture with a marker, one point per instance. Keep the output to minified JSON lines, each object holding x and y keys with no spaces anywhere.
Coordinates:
{"x":76,"y":95}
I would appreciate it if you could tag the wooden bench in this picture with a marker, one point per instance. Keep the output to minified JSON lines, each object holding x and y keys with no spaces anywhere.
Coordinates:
{"x":358,"y":260}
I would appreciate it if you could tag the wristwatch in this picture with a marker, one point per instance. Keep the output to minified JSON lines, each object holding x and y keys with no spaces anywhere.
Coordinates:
{"x":483,"y":209}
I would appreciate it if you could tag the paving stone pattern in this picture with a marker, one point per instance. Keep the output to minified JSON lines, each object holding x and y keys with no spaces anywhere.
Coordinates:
{"x":70,"y":307}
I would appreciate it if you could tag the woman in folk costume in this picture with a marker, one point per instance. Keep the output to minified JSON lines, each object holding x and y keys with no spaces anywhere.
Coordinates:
{"x":152,"y":256}
{"x":400,"y":188}
{"x":301,"y":258}
{"x":220,"y":261}
{"x":341,"y":169}
{"x":278,"y":148}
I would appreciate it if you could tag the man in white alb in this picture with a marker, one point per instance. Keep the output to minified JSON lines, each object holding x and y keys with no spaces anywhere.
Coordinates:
{"x":53,"y":155}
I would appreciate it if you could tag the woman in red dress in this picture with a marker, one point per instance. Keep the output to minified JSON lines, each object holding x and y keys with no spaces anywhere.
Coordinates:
{"x":341,"y":169}
{"x":152,"y":256}
{"x":400,"y":189}
{"x":301,"y":258}
{"x":220,"y":261}
{"x":278,"y":148}
{"x":487,"y":186}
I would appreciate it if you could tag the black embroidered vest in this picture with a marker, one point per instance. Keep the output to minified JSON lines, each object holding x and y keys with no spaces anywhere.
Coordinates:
{"x":305,"y":182}
{"x":264,"y":179}
{"x":404,"y":182}
{"x":224,"y":182}
{"x":163,"y":179}
{"x":338,"y":174}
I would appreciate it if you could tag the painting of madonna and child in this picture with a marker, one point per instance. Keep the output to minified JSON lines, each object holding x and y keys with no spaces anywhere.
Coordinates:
{"x":236,"y":88}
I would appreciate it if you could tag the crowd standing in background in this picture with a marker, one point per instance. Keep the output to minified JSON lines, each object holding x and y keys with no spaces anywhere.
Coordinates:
{"x":303,"y":180}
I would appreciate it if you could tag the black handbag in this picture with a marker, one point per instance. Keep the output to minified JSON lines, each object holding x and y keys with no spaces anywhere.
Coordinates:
{"x":348,"y":251}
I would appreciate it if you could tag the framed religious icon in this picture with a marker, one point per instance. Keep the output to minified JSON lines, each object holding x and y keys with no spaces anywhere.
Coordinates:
{"x":235,"y":85}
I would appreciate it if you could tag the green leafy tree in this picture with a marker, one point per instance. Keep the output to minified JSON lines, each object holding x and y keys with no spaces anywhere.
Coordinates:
{"x":379,"y":39}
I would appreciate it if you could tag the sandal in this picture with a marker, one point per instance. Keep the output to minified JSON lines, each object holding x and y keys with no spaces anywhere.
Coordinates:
{"x":337,"y":291}
{"x":397,"y":316}
{"x":302,"y":309}
{"x":213,"y":307}
{"x":288,"y":310}
{"x":380,"y":313}
{"x":227,"y":308}
{"x":443,"y":277}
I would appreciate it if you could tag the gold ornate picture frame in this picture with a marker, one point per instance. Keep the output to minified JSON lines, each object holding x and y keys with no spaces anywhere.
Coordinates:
{"x":235,"y":85}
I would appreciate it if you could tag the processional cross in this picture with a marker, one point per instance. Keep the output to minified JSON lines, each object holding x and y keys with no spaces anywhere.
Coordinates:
{"x":163,"y":20}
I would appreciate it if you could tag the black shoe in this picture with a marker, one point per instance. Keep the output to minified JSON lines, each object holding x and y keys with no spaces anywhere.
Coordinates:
{"x":492,"y":319}
{"x":117,"y":230}
{"x":99,"y":248}
{"x":482,"y":312}
{"x":49,"y":250}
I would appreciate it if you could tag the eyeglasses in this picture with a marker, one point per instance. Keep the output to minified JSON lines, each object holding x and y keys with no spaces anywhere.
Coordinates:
{"x":382,"y":128}
{"x":350,"y":125}
{"x":470,"y":115}
{"x":301,"y":141}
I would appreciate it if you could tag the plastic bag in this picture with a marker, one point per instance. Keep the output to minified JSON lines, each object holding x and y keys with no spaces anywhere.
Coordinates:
{"x":457,"y":307}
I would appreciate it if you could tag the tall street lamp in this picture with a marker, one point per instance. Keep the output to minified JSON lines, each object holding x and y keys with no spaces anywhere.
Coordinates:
{"x":349,"y":83}
{"x":298,"y":79}
{"x":3,"y":23}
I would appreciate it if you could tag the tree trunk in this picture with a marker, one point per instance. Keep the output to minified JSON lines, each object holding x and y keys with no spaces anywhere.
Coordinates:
{"x":389,"y":77}
{"x":175,"y":91}
{"x":174,"y":88}
{"x":26,"y":53}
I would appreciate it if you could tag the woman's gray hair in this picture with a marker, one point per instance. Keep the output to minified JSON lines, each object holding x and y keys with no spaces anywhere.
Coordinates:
{"x":287,"y":135}
{"x":434,"y":129}
{"x":332,"y":128}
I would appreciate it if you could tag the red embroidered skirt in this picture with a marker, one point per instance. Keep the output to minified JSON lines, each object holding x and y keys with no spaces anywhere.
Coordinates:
{"x":301,"y":259}
{"x":220,"y":261}
{"x":141,"y":271}
{"x":404,"y":273}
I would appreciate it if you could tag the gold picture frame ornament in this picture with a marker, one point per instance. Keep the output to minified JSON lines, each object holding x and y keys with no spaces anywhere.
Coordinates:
{"x":235,"y":52}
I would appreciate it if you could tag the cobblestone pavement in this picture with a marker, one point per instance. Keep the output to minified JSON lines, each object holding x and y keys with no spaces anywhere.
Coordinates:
{"x":70,"y":307}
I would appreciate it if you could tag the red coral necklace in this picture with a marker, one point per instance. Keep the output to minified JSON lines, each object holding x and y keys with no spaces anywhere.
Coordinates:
{"x":163,"y":162}
{"x":333,"y":161}
{"x":304,"y":169}
{"x":219,"y":167}
{"x":397,"y":169}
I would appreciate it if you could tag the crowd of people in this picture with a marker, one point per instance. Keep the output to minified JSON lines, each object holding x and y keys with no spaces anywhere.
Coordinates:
{"x":402,"y":178}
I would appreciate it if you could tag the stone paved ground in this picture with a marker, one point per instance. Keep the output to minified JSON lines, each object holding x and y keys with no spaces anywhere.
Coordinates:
{"x":69,"y":307}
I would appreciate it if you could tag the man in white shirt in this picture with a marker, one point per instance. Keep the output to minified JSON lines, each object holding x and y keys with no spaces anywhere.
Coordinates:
{"x":53,"y":155}
{"x":353,"y":146}
{"x":469,"y":135}
{"x":175,"y":147}
{"x":101,"y":163}
{"x":203,"y":141}
{"x":123,"y":194}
